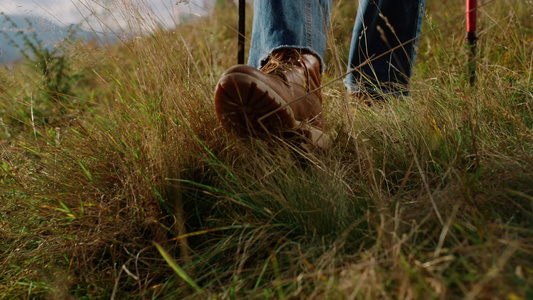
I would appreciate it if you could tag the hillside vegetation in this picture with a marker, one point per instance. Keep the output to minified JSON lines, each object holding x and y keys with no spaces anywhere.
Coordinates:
{"x":117,"y":181}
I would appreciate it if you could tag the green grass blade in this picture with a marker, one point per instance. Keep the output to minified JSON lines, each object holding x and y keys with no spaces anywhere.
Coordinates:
{"x":87,"y":173}
{"x":179,"y":271}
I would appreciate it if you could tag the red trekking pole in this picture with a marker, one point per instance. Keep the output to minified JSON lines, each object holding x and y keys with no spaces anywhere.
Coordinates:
{"x":471,"y":36}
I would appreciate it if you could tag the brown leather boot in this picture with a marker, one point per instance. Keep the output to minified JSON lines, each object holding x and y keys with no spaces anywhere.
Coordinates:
{"x":275,"y":99}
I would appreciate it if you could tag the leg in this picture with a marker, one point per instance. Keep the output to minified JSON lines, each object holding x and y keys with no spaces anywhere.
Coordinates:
{"x":274,"y":94}
{"x":301,"y":24}
{"x":380,"y":26}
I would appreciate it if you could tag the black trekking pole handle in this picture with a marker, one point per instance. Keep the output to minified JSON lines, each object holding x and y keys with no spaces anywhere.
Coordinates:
{"x":471,"y":37}
{"x":242,"y":15}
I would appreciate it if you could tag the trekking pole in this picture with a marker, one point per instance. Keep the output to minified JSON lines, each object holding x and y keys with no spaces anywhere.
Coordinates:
{"x":242,"y":15}
{"x":471,"y":36}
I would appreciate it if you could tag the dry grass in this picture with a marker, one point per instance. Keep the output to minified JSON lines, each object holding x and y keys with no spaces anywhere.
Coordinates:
{"x":424,"y":197}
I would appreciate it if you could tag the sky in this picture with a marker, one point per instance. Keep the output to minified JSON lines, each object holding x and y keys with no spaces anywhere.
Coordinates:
{"x":66,"y":12}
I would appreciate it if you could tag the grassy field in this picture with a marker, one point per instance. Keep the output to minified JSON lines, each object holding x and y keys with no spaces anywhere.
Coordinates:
{"x":116,"y":180}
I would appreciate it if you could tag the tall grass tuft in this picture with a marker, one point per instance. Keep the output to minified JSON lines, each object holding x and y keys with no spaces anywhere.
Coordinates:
{"x":138,"y":192}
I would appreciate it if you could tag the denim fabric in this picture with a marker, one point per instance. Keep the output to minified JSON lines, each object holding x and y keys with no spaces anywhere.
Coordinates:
{"x":379,"y":26}
{"x":289,"y":24}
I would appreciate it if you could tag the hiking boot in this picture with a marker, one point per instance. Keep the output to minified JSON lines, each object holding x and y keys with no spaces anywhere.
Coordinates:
{"x":275,"y":99}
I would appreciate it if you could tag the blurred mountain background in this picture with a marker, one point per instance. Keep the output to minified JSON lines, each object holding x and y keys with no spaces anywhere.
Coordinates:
{"x":14,"y":28}
{"x":50,"y":20}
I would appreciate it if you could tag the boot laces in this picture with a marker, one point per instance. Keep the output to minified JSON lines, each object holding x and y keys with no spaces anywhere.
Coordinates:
{"x":284,"y":60}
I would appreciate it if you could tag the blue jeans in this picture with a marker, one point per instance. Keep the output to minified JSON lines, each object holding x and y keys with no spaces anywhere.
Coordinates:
{"x":380,"y":26}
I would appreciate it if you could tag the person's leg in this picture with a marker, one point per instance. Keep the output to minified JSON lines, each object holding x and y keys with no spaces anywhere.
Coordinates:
{"x":301,"y":24}
{"x":273,"y":94}
{"x":380,"y":26}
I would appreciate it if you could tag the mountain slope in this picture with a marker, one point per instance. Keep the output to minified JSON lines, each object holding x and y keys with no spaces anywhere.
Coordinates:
{"x":14,"y":28}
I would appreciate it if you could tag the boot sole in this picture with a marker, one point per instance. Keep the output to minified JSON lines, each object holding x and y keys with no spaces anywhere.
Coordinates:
{"x":242,"y":100}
